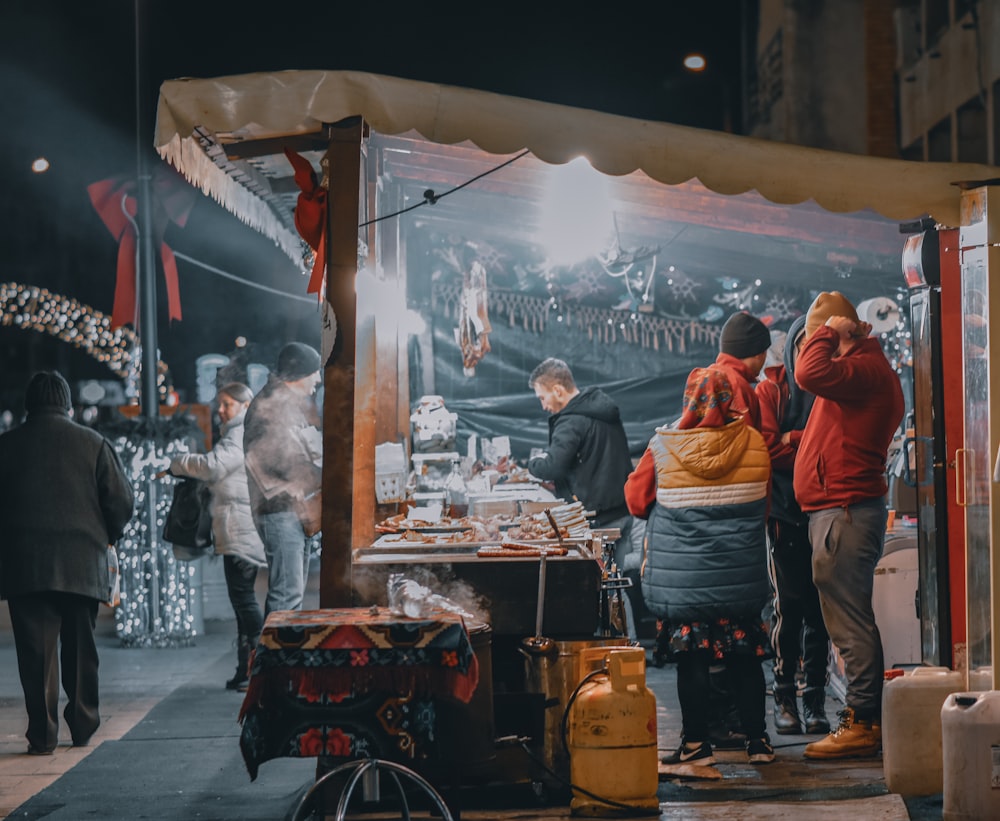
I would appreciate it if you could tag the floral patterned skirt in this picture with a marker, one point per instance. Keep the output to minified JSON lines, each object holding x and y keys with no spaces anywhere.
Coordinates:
{"x":721,"y":637}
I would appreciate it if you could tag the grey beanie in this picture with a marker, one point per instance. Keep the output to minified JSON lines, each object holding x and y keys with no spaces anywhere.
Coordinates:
{"x":744,"y":336}
{"x":47,"y":389}
{"x":295,"y":361}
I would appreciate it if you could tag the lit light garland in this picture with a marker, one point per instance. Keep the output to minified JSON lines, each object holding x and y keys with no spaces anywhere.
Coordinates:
{"x":157,"y":595}
{"x":30,"y":308}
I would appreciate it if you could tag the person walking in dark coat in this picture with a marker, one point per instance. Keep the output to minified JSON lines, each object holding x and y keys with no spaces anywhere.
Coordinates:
{"x":64,"y":497}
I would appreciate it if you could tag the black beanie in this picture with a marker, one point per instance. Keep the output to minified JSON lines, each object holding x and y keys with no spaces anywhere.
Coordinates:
{"x":295,"y":361}
{"x":47,"y":389}
{"x":744,"y":336}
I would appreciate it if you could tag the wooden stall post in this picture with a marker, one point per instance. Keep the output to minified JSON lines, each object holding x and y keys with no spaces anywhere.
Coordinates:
{"x":344,"y":156}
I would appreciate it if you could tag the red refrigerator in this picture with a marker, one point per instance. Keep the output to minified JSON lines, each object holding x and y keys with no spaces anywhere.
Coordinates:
{"x":931,"y":268}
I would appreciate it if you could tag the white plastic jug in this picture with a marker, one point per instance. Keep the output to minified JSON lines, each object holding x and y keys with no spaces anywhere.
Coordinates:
{"x":970,"y":732}
{"x":911,"y":728}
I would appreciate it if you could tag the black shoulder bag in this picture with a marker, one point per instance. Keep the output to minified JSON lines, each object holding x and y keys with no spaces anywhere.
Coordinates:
{"x":188,"y":525}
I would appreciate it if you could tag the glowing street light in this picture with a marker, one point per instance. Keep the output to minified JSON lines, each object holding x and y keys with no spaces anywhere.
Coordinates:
{"x":40,"y":165}
{"x":695,"y":62}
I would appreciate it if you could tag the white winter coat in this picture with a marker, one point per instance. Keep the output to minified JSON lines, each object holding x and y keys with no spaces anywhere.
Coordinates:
{"x":222,"y":469}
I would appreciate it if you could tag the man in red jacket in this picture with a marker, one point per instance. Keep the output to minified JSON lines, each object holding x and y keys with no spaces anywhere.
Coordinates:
{"x":840,"y":482}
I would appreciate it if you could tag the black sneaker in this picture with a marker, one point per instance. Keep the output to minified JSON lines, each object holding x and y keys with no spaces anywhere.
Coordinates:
{"x":760,"y":751}
{"x":700,"y":752}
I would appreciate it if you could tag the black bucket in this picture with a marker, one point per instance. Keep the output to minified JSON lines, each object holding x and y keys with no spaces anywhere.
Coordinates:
{"x":467,"y":729}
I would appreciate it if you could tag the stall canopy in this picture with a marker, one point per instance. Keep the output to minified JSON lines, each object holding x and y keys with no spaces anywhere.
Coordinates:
{"x":711,"y":221}
{"x":201,"y":123}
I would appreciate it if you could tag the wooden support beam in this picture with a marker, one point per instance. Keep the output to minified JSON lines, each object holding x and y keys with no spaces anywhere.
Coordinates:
{"x":340,"y":430}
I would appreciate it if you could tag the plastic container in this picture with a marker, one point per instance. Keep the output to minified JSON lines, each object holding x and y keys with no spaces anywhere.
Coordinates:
{"x":612,"y":737}
{"x":911,"y":728}
{"x":970,"y":734}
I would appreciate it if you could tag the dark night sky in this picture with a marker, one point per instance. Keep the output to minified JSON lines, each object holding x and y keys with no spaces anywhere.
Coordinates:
{"x":68,"y":92}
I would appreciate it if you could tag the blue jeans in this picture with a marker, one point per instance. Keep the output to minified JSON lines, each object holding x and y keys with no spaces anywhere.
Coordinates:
{"x":846,"y":546}
{"x":287,"y":560}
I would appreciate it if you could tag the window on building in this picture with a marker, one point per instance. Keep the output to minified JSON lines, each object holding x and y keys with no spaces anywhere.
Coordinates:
{"x":972,"y":144}
{"x":935,"y":21}
{"x":939,"y":142}
{"x":914,"y":151}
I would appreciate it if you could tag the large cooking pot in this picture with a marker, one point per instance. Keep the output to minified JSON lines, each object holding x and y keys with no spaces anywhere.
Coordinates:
{"x":554,"y":672}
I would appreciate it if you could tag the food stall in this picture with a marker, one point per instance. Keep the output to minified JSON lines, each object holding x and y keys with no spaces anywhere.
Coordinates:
{"x":385,"y":155}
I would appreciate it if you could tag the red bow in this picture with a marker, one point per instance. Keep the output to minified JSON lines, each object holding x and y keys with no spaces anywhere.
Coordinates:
{"x":310,"y":216}
{"x":171,"y":200}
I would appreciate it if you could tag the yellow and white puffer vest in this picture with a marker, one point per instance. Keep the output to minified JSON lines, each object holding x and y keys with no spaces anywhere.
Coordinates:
{"x":705,"y":549}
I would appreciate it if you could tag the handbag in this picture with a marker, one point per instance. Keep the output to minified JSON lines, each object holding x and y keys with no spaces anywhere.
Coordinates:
{"x":310,"y":512}
{"x":188,"y":526}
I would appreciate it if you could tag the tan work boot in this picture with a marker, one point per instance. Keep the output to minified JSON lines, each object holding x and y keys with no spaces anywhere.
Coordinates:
{"x":853,"y":738}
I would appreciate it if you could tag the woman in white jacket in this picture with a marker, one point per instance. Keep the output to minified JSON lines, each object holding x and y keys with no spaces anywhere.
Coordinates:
{"x":233,"y":529}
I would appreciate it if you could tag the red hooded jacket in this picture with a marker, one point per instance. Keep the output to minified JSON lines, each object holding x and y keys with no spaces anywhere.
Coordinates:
{"x":858,"y":407}
{"x":745,"y":401}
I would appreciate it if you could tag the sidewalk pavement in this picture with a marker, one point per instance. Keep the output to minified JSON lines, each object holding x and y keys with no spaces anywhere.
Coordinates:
{"x":168,"y":749}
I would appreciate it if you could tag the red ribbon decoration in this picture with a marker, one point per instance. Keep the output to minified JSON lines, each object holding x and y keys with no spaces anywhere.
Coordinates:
{"x":171,"y":201}
{"x":310,"y":216}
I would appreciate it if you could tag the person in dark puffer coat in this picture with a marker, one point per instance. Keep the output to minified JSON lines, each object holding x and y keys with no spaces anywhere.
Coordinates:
{"x":64,"y":497}
{"x":588,"y":455}
{"x":704,"y":484}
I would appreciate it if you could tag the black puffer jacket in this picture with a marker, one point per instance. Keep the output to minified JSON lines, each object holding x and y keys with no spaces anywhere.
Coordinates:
{"x":588,"y":456}
{"x":64,"y":497}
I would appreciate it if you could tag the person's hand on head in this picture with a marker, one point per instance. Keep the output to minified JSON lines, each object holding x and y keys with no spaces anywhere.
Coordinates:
{"x":845,"y":328}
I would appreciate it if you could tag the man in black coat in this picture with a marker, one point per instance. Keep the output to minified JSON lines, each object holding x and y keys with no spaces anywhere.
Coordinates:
{"x":64,"y":497}
{"x":588,"y":457}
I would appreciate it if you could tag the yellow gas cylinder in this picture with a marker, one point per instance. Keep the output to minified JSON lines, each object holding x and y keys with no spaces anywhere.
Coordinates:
{"x":612,"y":736}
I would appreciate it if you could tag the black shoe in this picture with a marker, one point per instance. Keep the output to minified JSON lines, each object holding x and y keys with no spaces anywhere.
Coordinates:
{"x":39,"y":751}
{"x":238,"y":682}
{"x":814,"y":710}
{"x":760,"y":751}
{"x":700,"y":752}
{"x":242,"y":676}
{"x":786,"y":710}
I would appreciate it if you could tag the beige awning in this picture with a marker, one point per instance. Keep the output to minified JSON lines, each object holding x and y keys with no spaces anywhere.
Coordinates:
{"x":195,"y":116}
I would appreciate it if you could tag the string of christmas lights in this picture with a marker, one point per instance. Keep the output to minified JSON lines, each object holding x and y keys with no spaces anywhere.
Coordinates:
{"x":31,"y":308}
{"x":157,"y":594}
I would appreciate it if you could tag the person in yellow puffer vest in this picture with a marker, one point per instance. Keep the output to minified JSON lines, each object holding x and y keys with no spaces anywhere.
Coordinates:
{"x":703,"y":486}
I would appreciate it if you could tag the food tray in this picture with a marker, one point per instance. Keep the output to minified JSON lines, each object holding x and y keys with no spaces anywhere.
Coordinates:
{"x":443,"y":553}
{"x":393,"y":541}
